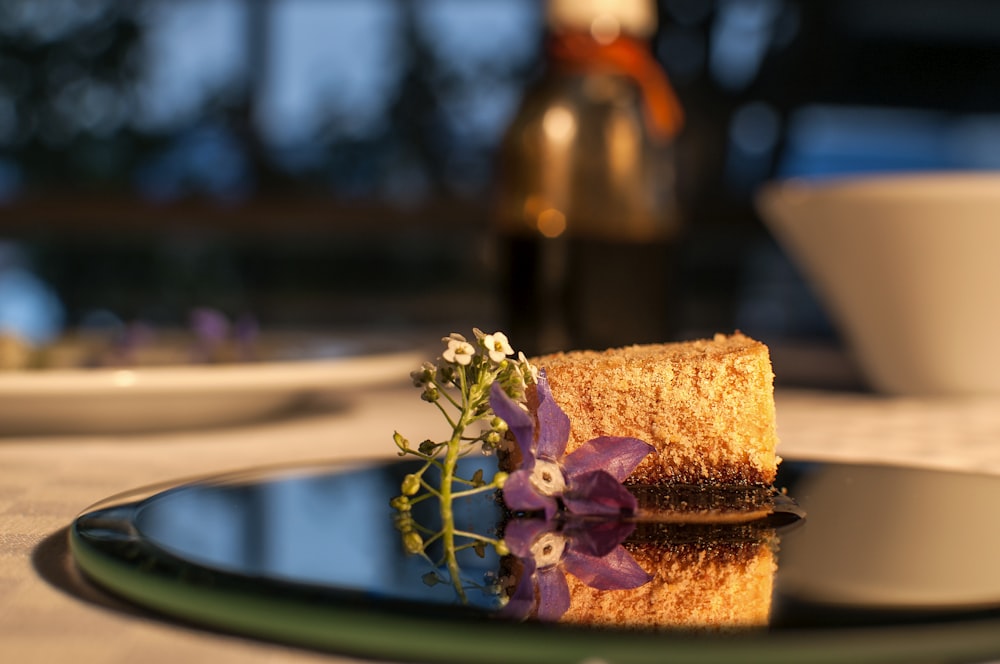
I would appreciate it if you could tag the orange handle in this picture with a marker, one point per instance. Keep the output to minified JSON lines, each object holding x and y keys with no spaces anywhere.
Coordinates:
{"x":628,"y":56}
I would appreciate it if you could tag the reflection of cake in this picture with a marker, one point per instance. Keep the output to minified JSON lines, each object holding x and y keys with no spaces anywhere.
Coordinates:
{"x":707,"y":406}
{"x":689,"y":575}
{"x":711,"y":583}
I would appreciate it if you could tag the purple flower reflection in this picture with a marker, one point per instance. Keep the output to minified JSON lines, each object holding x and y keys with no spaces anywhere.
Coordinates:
{"x":588,"y":481}
{"x":548,"y":550}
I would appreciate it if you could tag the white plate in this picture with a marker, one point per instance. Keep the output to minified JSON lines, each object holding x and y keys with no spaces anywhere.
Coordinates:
{"x":159,"y":398}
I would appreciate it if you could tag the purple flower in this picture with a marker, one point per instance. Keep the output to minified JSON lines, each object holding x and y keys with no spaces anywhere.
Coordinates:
{"x":590,"y":551}
{"x":587,"y":481}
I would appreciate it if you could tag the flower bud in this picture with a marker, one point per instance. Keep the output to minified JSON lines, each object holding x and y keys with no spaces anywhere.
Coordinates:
{"x":403,"y":521}
{"x":446,"y":374}
{"x":501,"y":548}
{"x":430,"y":394}
{"x":423,"y":375}
{"x":411,"y":484}
{"x":401,"y":503}
{"x":500,"y":479}
{"x":413,"y":542}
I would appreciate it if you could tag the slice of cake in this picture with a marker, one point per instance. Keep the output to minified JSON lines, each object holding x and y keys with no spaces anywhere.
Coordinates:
{"x":707,"y":406}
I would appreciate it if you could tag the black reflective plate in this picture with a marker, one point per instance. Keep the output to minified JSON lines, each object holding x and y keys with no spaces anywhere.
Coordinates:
{"x":891,"y":564}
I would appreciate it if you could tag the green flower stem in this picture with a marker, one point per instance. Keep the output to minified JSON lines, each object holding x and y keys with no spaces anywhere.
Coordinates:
{"x":447,"y":395}
{"x":426,"y":531}
{"x":444,"y":412}
{"x":471,"y":492}
{"x":448,"y":518}
{"x":430,"y":540}
{"x":476,"y":537}
{"x":431,"y":490}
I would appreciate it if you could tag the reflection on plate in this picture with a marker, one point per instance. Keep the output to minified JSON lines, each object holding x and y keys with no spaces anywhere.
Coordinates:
{"x":310,"y":556}
{"x":158,"y":397}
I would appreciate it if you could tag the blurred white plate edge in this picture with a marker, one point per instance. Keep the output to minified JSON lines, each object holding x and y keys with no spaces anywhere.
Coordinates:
{"x":346,"y":371}
{"x":144,"y":399}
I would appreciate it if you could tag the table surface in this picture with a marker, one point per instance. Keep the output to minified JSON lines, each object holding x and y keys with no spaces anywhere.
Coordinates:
{"x":49,"y":613}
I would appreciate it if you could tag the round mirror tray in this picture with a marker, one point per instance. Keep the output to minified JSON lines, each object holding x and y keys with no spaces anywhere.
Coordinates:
{"x":845,"y":563}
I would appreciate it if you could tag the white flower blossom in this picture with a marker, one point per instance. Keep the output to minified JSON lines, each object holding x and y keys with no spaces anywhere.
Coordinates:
{"x":497,"y":346}
{"x":458,"y":352}
{"x":547,"y":477}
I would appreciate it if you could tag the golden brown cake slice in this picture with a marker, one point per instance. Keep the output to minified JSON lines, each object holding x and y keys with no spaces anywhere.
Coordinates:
{"x":707,"y":406}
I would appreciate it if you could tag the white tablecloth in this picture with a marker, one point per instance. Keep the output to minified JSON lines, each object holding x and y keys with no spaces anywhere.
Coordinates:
{"x":48,"y":614}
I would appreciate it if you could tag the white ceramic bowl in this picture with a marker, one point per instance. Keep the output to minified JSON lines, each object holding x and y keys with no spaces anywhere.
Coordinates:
{"x":908,"y":267}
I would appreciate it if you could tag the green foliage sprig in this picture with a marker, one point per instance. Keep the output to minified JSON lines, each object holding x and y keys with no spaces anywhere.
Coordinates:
{"x":459,"y":386}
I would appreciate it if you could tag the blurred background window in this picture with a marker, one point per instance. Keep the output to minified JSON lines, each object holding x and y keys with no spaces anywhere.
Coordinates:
{"x":331,"y":162}
{"x":303,"y":159}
